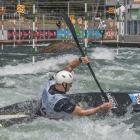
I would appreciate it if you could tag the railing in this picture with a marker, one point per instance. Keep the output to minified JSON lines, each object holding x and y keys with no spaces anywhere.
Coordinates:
{"x":46,"y":14}
{"x":132,"y":38}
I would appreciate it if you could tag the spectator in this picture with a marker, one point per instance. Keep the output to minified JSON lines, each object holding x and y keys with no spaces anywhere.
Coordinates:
{"x":102,"y":27}
{"x":58,"y":24}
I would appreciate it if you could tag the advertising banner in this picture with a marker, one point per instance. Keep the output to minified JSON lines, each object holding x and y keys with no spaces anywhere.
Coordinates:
{"x":27,"y":34}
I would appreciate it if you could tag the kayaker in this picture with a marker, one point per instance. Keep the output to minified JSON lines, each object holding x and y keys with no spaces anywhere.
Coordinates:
{"x":54,"y":102}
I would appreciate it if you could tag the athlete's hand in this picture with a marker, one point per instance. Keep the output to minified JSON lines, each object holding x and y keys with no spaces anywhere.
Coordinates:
{"x":85,"y":60}
{"x":107,"y":105}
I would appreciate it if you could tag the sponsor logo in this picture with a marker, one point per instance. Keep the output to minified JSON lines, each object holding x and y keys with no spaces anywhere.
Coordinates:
{"x":135,"y":98}
{"x":112,"y":99}
{"x":20,"y":8}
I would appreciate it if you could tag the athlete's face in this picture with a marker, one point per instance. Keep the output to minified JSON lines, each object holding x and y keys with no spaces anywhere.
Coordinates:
{"x":67,"y":86}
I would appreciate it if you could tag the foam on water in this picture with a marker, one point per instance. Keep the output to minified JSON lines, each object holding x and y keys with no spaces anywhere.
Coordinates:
{"x":50,"y":64}
{"x":115,"y":72}
{"x":102,"y":53}
{"x":80,"y":128}
{"x":117,"y":69}
{"x":25,"y":80}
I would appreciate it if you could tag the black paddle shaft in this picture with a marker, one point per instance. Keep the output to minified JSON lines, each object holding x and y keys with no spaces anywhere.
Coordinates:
{"x":70,"y":25}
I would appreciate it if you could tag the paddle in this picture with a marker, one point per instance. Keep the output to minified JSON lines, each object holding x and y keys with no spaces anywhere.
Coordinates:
{"x":70,"y":25}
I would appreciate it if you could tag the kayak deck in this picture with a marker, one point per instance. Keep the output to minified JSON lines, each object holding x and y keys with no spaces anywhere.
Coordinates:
{"x":27,"y":110}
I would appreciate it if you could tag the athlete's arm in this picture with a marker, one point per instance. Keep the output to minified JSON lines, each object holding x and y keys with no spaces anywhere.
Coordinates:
{"x":85,"y":112}
{"x":75,"y":63}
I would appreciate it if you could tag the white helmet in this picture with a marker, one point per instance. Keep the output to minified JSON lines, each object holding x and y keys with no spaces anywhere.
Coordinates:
{"x":64,"y":77}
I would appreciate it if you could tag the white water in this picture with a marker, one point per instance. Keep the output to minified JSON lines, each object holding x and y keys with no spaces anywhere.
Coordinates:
{"x":115,"y":72}
{"x":80,"y":128}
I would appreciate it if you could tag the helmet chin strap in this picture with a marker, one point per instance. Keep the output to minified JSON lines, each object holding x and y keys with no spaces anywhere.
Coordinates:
{"x":65,"y":87}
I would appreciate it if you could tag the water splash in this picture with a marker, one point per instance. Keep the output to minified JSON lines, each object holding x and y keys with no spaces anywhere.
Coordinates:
{"x":102,"y":53}
{"x":50,"y":64}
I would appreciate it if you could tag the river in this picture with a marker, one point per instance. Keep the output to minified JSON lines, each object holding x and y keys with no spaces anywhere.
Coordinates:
{"x":21,"y":80}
